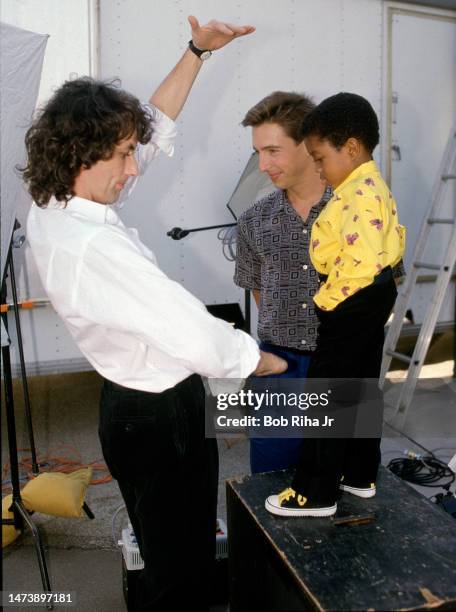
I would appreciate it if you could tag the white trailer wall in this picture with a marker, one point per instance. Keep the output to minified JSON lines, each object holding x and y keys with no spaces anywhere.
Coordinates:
{"x":303,"y":46}
{"x":318,"y":47}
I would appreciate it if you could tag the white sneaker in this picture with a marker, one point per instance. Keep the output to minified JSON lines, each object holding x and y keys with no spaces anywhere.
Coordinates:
{"x":290,"y":503}
{"x":367,"y":491}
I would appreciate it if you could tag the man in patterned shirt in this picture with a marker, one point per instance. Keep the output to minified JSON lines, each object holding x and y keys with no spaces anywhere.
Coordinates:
{"x":273,"y":250}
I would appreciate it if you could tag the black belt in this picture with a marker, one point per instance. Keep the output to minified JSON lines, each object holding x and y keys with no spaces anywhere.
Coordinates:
{"x":130,"y":390}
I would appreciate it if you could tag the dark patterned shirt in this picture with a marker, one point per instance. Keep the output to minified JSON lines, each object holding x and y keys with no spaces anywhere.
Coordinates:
{"x":273,"y":257}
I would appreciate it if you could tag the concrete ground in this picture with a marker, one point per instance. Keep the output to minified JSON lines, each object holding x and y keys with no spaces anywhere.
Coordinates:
{"x":82,"y":554}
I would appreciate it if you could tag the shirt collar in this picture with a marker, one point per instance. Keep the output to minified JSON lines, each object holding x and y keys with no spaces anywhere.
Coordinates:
{"x":327,"y":195}
{"x":100,"y":213}
{"x":365,"y":169}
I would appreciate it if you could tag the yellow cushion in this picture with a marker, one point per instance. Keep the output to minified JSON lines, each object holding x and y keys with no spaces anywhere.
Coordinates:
{"x":9,"y":533}
{"x":58,"y":494}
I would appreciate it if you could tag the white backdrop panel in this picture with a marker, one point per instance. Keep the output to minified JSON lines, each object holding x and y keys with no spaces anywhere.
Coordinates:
{"x":22,"y":55}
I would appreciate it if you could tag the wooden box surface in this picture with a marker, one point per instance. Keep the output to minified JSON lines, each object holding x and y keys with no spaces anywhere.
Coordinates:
{"x":404,"y":560}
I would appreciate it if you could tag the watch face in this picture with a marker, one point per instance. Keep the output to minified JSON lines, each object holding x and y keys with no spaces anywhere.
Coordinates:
{"x":205,"y":55}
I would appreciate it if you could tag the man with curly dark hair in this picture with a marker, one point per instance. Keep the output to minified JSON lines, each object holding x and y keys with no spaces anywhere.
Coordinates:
{"x":82,"y":124}
{"x":145,"y":334}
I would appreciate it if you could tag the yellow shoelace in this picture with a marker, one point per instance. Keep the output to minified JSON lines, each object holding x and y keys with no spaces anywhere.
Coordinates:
{"x":289,"y":492}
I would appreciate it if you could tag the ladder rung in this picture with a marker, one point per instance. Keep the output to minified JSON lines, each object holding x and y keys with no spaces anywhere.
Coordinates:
{"x":400,"y":356}
{"x":428,"y":266}
{"x":435,"y":220}
{"x":441,"y":273}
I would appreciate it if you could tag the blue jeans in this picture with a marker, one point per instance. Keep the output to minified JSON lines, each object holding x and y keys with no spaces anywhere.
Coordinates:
{"x":269,"y":454}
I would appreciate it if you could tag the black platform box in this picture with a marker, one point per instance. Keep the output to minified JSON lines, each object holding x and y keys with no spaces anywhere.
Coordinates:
{"x":404,"y":560}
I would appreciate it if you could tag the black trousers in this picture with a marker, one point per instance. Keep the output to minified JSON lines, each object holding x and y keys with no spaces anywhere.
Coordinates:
{"x":350,"y":346}
{"x":155,"y":447}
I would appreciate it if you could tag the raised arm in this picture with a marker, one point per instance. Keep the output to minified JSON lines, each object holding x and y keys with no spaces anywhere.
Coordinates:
{"x":171,"y":95}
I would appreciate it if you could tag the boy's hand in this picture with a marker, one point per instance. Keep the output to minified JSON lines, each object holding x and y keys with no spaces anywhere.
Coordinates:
{"x":216,"y":34}
{"x":270,"y":364}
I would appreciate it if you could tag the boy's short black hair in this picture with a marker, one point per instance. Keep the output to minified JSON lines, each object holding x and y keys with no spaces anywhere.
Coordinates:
{"x":343,"y":116}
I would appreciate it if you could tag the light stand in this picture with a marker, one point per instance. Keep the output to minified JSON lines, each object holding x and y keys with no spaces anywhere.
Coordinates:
{"x":17,"y":243}
{"x":178,"y":233}
{"x":20,"y":512}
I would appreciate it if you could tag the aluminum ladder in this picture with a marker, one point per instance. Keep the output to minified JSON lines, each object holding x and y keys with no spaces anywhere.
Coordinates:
{"x":446,"y":172}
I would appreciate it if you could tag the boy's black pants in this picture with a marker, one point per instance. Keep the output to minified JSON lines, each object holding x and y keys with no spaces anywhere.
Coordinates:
{"x":155,"y":447}
{"x":349,"y":345}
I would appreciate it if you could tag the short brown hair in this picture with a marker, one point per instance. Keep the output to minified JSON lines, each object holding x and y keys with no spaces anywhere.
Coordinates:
{"x":287,"y":109}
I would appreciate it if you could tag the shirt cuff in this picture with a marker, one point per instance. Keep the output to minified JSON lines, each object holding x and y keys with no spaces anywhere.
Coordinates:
{"x":218,"y":386}
{"x":249,"y":355}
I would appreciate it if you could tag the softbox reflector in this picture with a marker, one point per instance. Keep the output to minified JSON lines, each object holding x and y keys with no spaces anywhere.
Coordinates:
{"x":21,"y":61}
{"x":252,"y":186}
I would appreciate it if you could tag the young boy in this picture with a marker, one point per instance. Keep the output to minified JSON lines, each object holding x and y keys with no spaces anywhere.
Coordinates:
{"x":356,"y":240}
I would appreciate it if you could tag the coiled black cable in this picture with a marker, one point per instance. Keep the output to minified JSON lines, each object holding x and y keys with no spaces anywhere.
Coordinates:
{"x":422,"y":470}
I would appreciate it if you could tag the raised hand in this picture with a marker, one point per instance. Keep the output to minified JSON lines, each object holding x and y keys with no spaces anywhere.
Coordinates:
{"x":216,"y":34}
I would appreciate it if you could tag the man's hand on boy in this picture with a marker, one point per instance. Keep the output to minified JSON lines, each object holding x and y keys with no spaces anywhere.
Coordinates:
{"x":270,"y":364}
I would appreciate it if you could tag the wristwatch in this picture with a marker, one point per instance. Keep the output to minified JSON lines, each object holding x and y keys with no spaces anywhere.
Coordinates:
{"x":203,"y":54}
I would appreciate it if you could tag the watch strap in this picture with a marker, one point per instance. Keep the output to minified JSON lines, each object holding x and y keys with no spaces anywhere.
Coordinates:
{"x":201,"y":53}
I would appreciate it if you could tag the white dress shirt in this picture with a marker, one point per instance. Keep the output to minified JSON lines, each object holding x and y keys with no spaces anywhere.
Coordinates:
{"x":136,"y":326}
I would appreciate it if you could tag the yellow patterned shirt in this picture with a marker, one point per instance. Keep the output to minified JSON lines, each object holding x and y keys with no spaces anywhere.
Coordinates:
{"x":356,"y":235}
